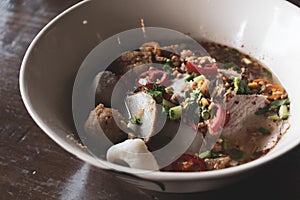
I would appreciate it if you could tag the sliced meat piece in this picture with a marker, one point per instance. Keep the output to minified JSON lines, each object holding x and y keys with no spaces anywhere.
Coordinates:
{"x":143,"y":107}
{"x":242,"y":112}
{"x":243,"y":127}
{"x":108,"y":121}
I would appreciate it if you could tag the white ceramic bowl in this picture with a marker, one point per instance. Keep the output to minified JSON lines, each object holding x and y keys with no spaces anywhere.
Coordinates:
{"x":268,"y":29}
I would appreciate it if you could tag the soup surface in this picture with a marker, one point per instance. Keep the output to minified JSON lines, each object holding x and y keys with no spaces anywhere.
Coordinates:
{"x":174,"y":108}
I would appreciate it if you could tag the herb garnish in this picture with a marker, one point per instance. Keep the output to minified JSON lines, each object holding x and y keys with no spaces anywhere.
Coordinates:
{"x":272,"y":106}
{"x":136,"y":120}
{"x":236,"y":153}
{"x":191,"y":76}
{"x":241,"y":87}
{"x":156,"y":92}
{"x":233,"y":67}
{"x":267,"y":72}
{"x":264,"y":131}
{"x":175,"y":112}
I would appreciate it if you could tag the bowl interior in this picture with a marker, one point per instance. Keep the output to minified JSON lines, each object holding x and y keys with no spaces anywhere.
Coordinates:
{"x":53,"y":59}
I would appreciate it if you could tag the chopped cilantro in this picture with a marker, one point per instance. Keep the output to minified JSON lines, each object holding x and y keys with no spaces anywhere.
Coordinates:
{"x":169,"y":62}
{"x":169,"y":91}
{"x":216,"y":154}
{"x":191,"y":76}
{"x":157,"y":95}
{"x":241,"y":87}
{"x":205,"y":154}
{"x":187,"y":94}
{"x":196,"y":92}
{"x":157,"y":87}
{"x":156,"y":92}
{"x":236,"y":153}
{"x":166,"y":67}
{"x":233,"y":67}
{"x":136,"y":120}
{"x":272,"y":106}
{"x":267,"y":72}
{"x":264,"y":131}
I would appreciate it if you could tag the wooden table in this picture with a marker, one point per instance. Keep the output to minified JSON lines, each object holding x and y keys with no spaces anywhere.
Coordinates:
{"x":32,"y":166}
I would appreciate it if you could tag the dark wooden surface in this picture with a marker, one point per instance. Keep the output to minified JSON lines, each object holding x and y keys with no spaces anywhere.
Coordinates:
{"x":32,"y":166}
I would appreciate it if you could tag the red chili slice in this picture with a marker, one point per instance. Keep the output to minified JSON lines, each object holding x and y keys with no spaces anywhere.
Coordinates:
{"x":154,"y":76}
{"x":216,"y":122}
{"x":188,"y":163}
{"x":227,"y":117}
{"x":167,"y":96}
{"x":192,"y":68}
{"x":149,"y":86}
{"x":206,"y":71}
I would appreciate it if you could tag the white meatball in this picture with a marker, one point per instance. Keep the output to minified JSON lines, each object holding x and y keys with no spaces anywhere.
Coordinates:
{"x":134,"y":153}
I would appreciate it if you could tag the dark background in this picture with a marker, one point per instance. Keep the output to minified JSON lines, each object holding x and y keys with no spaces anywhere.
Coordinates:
{"x":32,"y":166}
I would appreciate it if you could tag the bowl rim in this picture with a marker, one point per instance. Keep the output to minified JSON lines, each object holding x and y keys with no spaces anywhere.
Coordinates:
{"x":102,"y":164}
